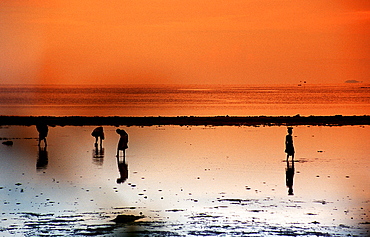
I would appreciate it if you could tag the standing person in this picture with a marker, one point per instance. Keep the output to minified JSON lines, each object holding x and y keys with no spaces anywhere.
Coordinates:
{"x":122,"y":143}
{"x":43,"y":132}
{"x":289,"y":148}
{"x":98,"y":133}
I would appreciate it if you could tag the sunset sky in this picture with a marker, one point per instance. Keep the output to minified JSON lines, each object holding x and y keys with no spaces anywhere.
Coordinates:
{"x":192,"y":41}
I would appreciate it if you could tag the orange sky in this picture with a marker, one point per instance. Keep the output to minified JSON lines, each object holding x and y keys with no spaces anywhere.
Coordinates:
{"x":193,"y":41}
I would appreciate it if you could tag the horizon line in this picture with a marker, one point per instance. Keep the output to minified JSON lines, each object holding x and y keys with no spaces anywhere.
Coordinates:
{"x":179,"y":84}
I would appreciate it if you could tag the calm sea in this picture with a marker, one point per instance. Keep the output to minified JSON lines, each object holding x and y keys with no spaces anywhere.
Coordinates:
{"x":185,"y":100}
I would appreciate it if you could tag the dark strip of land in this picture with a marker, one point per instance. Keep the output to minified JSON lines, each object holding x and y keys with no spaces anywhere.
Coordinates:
{"x":337,"y":120}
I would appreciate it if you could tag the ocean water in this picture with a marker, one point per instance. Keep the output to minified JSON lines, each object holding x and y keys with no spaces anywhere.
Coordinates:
{"x":185,"y":100}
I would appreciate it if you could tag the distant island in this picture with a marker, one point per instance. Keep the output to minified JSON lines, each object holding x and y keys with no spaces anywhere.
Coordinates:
{"x":352,"y":81}
{"x":335,"y":120}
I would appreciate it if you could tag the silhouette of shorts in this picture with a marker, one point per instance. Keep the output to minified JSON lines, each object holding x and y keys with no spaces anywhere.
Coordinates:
{"x":289,"y":150}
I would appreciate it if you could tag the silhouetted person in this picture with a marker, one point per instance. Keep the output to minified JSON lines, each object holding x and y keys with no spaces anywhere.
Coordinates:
{"x":43,"y":132}
{"x":122,"y":143}
{"x":98,"y":133}
{"x":289,"y":175}
{"x":123,"y":170}
{"x":289,"y":148}
{"x":98,"y":153}
{"x":42,"y":160}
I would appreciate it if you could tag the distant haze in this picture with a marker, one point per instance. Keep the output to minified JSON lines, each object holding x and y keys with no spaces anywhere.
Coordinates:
{"x":193,"y":41}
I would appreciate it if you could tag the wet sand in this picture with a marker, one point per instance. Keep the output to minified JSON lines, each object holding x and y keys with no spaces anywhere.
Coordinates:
{"x":186,"y":181}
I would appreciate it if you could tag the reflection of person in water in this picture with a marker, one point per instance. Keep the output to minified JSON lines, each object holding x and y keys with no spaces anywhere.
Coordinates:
{"x":123,"y":170}
{"x":43,"y":132}
{"x":289,"y":148}
{"x":122,"y":143}
{"x":98,"y":155}
{"x":98,"y":152}
{"x":98,"y":133}
{"x":289,"y":175}
{"x":42,"y":160}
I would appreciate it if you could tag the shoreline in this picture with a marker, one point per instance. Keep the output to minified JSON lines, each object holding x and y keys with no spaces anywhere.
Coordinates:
{"x":335,"y":120}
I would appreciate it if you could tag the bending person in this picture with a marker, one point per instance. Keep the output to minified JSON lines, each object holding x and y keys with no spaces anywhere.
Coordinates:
{"x":123,"y":141}
{"x":43,"y":132}
{"x":98,"y":133}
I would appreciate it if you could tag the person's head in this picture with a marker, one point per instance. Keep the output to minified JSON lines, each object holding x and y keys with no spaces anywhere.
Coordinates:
{"x":290,"y":130}
{"x":121,"y":132}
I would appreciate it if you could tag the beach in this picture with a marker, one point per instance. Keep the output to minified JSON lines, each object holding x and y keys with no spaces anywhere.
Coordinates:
{"x":186,"y":181}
